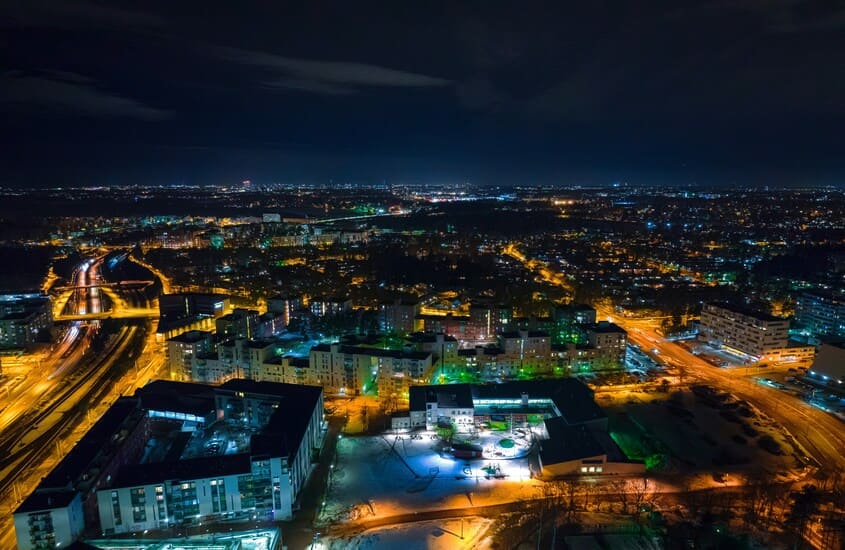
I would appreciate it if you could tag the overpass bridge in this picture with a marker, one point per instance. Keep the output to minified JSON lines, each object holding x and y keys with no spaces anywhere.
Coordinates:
{"x":127,"y":313}
{"x":118,"y":284}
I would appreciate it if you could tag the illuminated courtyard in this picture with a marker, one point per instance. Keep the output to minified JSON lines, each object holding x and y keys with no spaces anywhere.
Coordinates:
{"x":263,"y":539}
{"x":392,"y":475}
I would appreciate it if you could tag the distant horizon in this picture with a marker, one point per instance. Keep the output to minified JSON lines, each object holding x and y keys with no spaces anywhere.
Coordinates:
{"x":714,"y":93}
{"x":256,"y":186}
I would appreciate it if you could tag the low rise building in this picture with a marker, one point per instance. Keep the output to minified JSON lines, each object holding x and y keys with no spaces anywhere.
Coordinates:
{"x":571,"y":428}
{"x":187,"y":305}
{"x":241,"y":323}
{"x":829,"y":364}
{"x":529,"y":350}
{"x":748,"y":333}
{"x":356,"y":370}
{"x":290,"y":308}
{"x":442,"y":347}
{"x":327,"y":306}
{"x":609,"y":344}
{"x":571,"y":322}
{"x":180,"y":454}
{"x":49,"y":519}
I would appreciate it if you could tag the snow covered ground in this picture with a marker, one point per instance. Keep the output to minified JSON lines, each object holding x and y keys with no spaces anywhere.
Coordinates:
{"x":383,"y":476}
{"x":426,"y":535}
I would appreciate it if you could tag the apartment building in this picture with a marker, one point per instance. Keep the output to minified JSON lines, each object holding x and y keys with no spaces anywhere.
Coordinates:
{"x":748,"y":333}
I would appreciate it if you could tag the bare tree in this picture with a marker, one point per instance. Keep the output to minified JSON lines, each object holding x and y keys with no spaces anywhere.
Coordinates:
{"x":642,"y":494}
{"x":620,"y":489}
{"x":804,"y":507}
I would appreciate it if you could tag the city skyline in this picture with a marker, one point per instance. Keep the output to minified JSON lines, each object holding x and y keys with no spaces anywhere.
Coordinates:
{"x":461,"y":275}
{"x":323,"y":365}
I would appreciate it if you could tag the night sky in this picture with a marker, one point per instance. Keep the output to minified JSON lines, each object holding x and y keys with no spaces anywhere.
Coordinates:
{"x":169,"y":92}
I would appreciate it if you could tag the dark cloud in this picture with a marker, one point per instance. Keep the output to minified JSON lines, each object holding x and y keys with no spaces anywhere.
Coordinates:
{"x":470,"y":90}
{"x":71,"y":94}
{"x":71,"y":14}
{"x":804,"y":17}
{"x":307,"y":85}
{"x":328,"y":77}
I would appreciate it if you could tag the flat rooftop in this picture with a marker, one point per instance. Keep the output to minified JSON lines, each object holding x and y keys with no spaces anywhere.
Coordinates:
{"x":568,"y":443}
{"x":570,"y":396}
{"x":46,"y":500}
{"x":260,"y":539}
{"x":191,"y":337}
{"x":747,"y":311}
{"x":606,"y":327}
{"x":124,"y":413}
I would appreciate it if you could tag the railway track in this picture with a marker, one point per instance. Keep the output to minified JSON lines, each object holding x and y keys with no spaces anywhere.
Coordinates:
{"x":96,"y":375}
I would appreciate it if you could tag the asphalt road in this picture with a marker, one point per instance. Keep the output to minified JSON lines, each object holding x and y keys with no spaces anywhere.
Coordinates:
{"x":821,"y":434}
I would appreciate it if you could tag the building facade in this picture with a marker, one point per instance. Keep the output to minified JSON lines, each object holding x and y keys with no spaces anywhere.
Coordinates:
{"x":354,"y":370}
{"x":398,"y":316}
{"x":608,"y":344}
{"x":49,"y":520}
{"x":750,"y":334}
{"x":183,"y":350}
{"x":821,"y":314}
{"x":25,"y":319}
{"x":180,"y":454}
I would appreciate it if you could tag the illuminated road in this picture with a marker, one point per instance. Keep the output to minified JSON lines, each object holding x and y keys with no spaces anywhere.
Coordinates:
{"x":165,"y":282}
{"x":35,"y":387}
{"x":540,"y":268}
{"x":44,"y":416}
{"x":821,"y":434}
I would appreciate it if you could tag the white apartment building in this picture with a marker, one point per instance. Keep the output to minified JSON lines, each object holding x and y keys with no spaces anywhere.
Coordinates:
{"x":261,"y":480}
{"x":752,"y":335}
{"x":182,"y":349}
{"x":49,"y":520}
{"x":354,"y":370}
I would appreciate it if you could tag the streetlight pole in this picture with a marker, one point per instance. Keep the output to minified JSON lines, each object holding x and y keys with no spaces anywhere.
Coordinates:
{"x":540,"y":526}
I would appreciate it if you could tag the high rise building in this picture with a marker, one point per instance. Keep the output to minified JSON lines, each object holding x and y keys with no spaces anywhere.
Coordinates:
{"x":747,"y":333}
{"x":821,"y":313}
{"x":164,"y":466}
{"x":751,"y":335}
{"x":24,"y":320}
{"x":182,"y":350}
{"x":398,"y":316}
